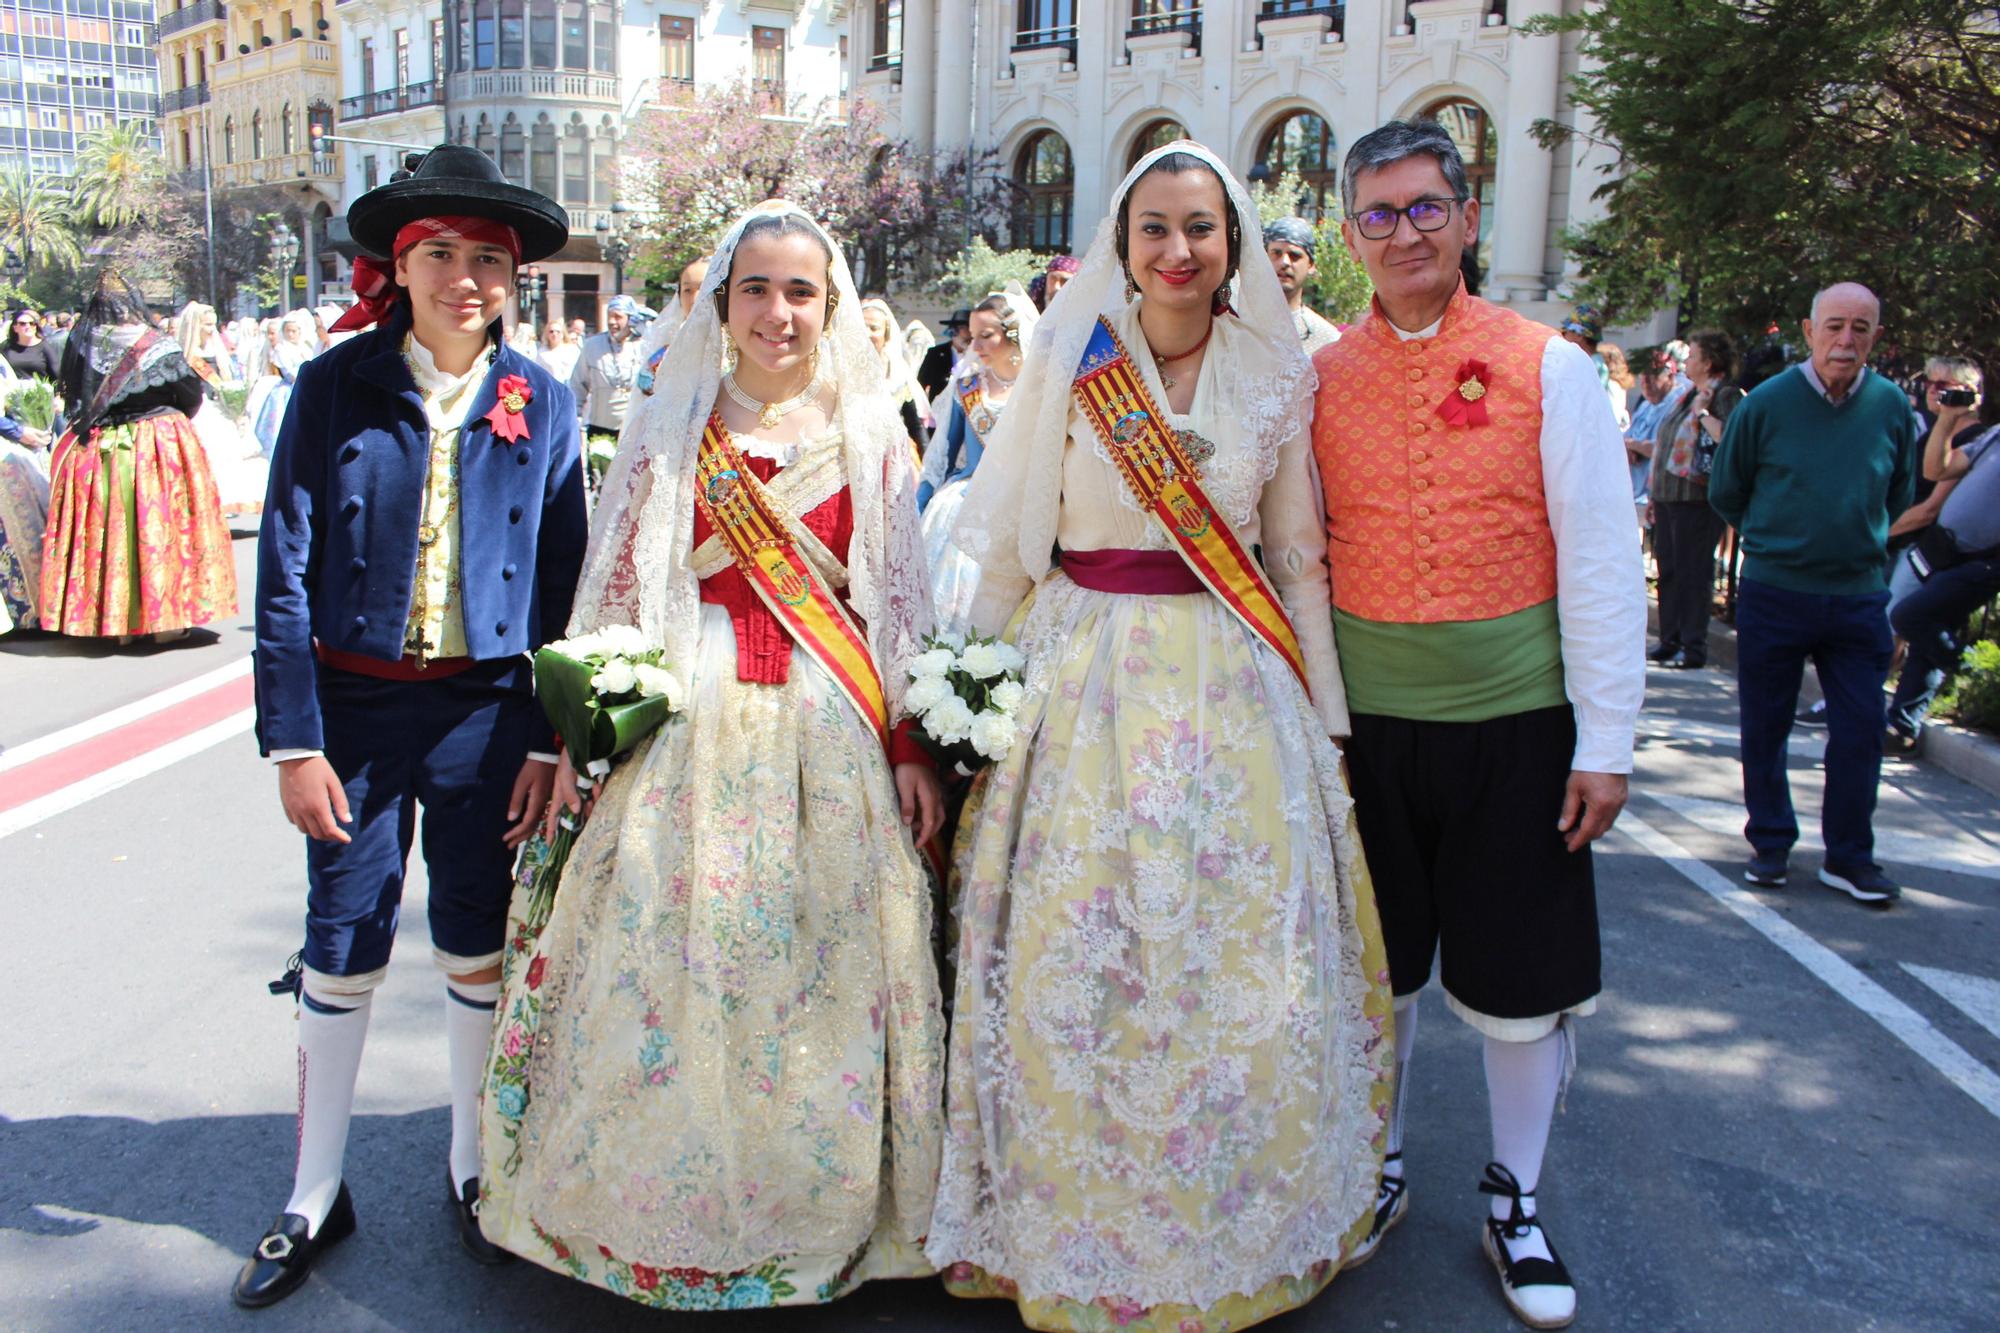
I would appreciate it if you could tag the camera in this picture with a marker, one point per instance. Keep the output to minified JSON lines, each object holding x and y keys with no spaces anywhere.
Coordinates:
{"x":1956,"y":397}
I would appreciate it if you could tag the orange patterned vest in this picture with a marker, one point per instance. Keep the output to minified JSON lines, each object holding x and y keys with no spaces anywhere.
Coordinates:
{"x":1427,"y":521}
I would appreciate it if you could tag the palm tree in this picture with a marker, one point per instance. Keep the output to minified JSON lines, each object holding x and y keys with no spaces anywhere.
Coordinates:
{"x":119,"y":175}
{"x":35,"y":221}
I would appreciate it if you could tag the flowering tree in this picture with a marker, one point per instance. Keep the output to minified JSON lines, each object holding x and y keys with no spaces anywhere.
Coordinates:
{"x":693,"y":168}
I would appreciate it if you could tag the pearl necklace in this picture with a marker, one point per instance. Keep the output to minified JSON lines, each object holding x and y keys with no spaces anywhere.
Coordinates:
{"x":770,"y":414}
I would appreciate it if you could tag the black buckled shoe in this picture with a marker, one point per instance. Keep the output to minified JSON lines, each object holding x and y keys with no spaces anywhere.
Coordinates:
{"x":1537,"y":1290}
{"x":465,"y":1207}
{"x":284,"y":1258}
{"x":1391,"y":1203}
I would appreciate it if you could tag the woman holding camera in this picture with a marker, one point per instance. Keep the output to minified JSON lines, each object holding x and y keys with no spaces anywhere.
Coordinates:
{"x":1685,"y":529}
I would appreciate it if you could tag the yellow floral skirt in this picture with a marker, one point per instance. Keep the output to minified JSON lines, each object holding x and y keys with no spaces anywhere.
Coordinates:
{"x":1171,"y":1050}
{"x":717,"y":1069}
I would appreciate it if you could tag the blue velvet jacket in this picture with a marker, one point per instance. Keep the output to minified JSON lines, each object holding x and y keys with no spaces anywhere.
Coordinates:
{"x":337,"y":556}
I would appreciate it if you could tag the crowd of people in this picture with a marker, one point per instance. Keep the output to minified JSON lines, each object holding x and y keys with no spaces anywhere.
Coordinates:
{"x":1331,"y":643}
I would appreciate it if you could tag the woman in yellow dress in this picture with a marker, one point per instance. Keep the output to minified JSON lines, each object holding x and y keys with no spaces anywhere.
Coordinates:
{"x":1170,"y":1051}
{"x":716,"y":1082}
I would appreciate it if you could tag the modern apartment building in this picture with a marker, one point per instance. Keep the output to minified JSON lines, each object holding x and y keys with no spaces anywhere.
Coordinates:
{"x":68,"y":67}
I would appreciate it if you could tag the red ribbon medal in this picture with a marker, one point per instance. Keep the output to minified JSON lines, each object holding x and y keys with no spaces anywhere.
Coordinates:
{"x":1465,"y":405}
{"x":508,"y":423}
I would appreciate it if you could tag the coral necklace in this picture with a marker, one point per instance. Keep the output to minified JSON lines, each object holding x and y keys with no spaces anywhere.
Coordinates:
{"x":1163,"y":362}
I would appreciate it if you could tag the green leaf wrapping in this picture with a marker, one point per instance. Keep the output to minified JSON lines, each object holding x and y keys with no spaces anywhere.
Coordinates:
{"x":591,"y":729}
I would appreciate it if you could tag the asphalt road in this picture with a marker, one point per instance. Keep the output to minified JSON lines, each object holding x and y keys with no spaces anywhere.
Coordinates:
{"x":1776,"y":1124}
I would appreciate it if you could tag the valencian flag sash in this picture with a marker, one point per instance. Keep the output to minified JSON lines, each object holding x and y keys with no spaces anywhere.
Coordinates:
{"x":738,"y":507}
{"x":1156,"y":465}
{"x":972,"y":401}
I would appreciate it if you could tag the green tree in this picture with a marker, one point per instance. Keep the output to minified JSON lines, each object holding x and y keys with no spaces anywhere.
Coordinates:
{"x":35,"y":222}
{"x":1769,"y":147}
{"x":120,"y":177}
{"x":980,"y":270}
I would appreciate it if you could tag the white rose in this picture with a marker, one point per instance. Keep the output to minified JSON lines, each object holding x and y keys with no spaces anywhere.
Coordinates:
{"x":624,"y":640}
{"x":981,"y":661}
{"x":1007,"y":695}
{"x":581,"y":647}
{"x":932,"y":664}
{"x":655,"y":682}
{"x":926,"y":693}
{"x":616,"y":677}
{"x":993,"y":734}
{"x":949,"y":721}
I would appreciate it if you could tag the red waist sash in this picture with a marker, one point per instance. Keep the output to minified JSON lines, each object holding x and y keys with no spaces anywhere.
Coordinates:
{"x":1154,"y":573}
{"x":406,"y":668}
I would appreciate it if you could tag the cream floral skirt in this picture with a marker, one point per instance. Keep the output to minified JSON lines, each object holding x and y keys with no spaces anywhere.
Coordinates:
{"x":1170,"y":1053}
{"x":954,"y":575}
{"x":717,"y":1072}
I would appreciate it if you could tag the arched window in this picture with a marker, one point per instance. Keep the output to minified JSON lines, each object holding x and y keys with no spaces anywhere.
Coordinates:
{"x":1302,"y":142}
{"x":229,"y":139}
{"x":285,"y":130}
{"x":1479,"y":144}
{"x":543,"y":178}
{"x":576,"y":162}
{"x":256,"y":135}
{"x":484,"y":139}
{"x":513,"y":151}
{"x":1043,"y":181}
{"x":1156,"y":134}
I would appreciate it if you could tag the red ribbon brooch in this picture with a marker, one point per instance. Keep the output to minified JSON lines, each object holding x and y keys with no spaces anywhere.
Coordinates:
{"x":515,"y":395}
{"x":1465,"y":405}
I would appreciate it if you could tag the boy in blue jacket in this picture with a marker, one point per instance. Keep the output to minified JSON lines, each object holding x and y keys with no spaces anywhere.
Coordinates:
{"x":423,"y":535}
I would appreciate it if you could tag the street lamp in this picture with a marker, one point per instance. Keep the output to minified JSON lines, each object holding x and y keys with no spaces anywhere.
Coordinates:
{"x":613,"y":244}
{"x":285,"y":250}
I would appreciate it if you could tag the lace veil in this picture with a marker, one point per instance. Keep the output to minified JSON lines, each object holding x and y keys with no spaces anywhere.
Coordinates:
{"x":1025,"y":317}
{"x":636,"y":569}
{"x":1009,"y":521}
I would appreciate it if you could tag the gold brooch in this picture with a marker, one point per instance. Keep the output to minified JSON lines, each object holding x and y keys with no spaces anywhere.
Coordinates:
{"x":514,"y":402}
{"x":1472,"y":391}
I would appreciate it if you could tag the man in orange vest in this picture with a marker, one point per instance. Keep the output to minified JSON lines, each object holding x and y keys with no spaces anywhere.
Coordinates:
{"x":1490,"y":611}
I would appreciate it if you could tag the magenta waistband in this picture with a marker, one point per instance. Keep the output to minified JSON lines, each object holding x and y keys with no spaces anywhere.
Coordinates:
{"x":1159,"y":573}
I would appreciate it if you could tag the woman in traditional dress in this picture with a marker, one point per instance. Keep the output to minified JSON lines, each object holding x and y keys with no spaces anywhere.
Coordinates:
{"x":293,"y":344}
{"x":897,"y":371}
{"x":24,"y":514}
{"x":1170,"y":1048}
{"x":1002,"y":325}
{"x":718,"y":1068}
{"x":241,"y":471}
{"x":135,"y":543}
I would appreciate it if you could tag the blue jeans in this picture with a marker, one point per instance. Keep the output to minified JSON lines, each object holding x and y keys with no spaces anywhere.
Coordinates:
{"x":1847,"y":639}
{"x":1930,"y":614}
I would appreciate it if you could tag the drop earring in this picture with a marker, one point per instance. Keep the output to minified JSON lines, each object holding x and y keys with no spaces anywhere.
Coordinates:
{"x":728,"y":355}
{"x":1131,"y":290}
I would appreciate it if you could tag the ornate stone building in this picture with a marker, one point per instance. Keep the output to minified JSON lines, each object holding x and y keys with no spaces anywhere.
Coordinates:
{"x":1072,"y":92}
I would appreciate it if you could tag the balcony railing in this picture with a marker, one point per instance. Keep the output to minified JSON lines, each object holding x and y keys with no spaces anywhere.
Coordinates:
{"x":1287,"y":9}
{"x":298,"y":53}
{"x":180,"y":99}
{"x":188,"y":16}
{"x":535,"y":83}
{"x":1061,"y":34}
{"x":278,"y":168}
{"x":1165,"y":16}
{"x":388,"y":101}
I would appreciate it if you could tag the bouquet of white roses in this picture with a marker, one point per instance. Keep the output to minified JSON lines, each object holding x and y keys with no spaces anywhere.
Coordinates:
{"x":964,"y":692}
{"x":605,"y":692}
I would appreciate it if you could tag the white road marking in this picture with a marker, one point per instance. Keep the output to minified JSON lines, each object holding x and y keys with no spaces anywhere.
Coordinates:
{"x":118,"y":775}
{"x":1978,"y":998}
{"x":1908,"y":1026}
{"x":16,"y":755}
{"x":1953,"y":850}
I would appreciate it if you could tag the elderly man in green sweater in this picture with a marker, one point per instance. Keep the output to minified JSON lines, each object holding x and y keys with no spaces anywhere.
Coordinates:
{"x":1812,"y":469}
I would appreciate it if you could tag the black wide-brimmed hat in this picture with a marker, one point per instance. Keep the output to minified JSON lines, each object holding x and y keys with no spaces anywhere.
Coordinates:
{"x":455,"y":179}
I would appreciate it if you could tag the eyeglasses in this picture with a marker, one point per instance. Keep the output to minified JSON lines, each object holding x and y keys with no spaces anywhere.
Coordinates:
{"x":20,"y":323}
{"x":1379,"y":224}
{"x":1942,"y":385}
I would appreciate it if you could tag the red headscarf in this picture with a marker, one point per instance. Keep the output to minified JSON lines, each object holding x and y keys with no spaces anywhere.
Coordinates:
{"x":374,"y":281}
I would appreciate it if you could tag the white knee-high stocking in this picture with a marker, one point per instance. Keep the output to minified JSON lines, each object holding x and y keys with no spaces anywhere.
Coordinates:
{"x":468,"y":1019}
{"x":332,"y":1031}
{"x":1406,"y":1042}
{"x":1523,"y":1081}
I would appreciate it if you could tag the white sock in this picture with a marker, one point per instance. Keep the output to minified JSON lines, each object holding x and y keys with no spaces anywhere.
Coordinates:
{"x":330,"y":1041}
{"x":468,"y":1026}
{"x":1523,"y":1080}
{"x":1406,"y":1042}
